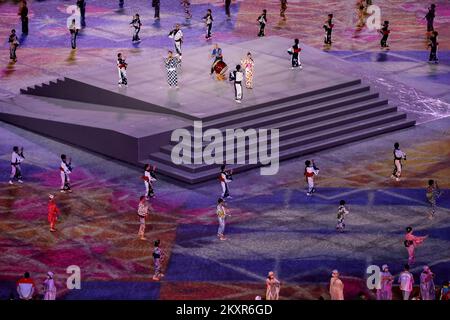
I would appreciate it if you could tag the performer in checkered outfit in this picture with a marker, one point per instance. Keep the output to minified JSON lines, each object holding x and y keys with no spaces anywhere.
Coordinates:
{"x":172,"y":64}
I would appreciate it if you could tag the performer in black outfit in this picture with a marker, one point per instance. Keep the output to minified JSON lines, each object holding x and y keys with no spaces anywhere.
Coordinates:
{"x":227,"y":8}
{"x":430,"y":17}
{"x":73,"y":34}
{"x":136,"y":24}
{"x":23,"y":13}
{"x":262,"y":19}
{"x":156,"y":4}
{"x":121,"y":3}
{"x":13,"y":44}
{"x":385,"y":32}
{"x":82,"y":5}
{"x":433,"y":47}
{"x":328,"y":26}
{"x":208,"y":18}
{"x":294,"y":51}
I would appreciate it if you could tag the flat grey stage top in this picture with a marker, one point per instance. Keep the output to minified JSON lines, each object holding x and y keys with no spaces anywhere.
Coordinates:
{"x":199,"y":94}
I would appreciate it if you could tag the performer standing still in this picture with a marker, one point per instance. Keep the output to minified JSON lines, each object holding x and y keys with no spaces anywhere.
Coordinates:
{"x":23,"y":13}
{"x":431,"y":14}
{"x":158,"y":258}
{"x":384,"y":292}
{"x":172,"y":63}
{"x":283,"y":7}
{"x":294,"y":51}
{"x":149,"y":177}
{"x":427,"y":288}
{"x":13,"y":44}
{"x":49,"y":287}
{"x":336,"y":286}
{"x":248,"y":64}
{"x":399,"y":156}
{"x":156,"y":4}
{"x":225,"y":177}
{"x":73,"y":34}
{"x":122,"y":68}
{"x":177,"y":36}
{"x":262,"y":19}
{"x":272,"y":287}
{"x":208,"y":18}
{"x":221,"y":214}
{"x":53,"y":212}
{"x":406,"y":281}
{"x":328,"y":27}
{"x":216,"y":54}
{"x":16,"y":159}
{"x":237,"y":76}
{"x":227,"y":9}
{"x":342,"y":212}
{"x":142,"y":214}
{"x":65,"y":169}
{"x":136,"y":24}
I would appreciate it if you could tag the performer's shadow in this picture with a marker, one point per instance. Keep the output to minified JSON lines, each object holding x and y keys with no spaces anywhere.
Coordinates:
{"x":157,"y":24}
{"x":9,"y":69}
{"x":382,"y":57}
{"x":72,"y":57}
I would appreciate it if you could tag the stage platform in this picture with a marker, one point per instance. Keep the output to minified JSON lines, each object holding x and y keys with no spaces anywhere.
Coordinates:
{"x":314,"y":109}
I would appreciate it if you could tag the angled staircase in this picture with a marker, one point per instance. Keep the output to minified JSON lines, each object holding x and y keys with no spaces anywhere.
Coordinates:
{"x":307,"y":123}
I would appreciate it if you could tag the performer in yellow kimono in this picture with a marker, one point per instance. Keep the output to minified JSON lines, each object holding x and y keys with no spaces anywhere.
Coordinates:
{"x":248,"y":65}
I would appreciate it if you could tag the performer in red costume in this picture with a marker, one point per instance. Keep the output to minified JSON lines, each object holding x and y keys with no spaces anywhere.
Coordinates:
{"x":53,"y":212}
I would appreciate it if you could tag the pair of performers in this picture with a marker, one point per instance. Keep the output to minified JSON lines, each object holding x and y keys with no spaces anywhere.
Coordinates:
{"x":16,"y":159}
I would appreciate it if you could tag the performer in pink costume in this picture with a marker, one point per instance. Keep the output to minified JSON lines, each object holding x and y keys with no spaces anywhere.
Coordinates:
{"x":385,"y":290}
{"x":411,"y":243}
{"x":336,"y":286}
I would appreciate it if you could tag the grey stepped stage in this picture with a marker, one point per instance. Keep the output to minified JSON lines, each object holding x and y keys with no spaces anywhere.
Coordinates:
{"x":314,"y":109}
{"x":308,"y":123}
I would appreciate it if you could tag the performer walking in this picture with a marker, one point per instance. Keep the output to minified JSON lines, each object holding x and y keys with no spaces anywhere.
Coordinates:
{"x":262,"y":19}
{"x":411,"y":243}
{"x":433,"y":47}
{"x":283,"y":7}
{"x":136,"y":24}
{"x":342,"y":212}
{"x":187,"y":9}
{"x":65,"y":169}
{"x":23,"y":13}
{"x":227,"y":9}
{"x":13,"y":44}
{"x":384,"y":292}
{"x":431,"y":14}
{"x":406,"y":280}
{"x":432,"y":193}
{"x":294,"y":51}
{"x":328,"y":27}
{"x":273,"y":287}
{"x":208,"y":18}
{"x":142,"y":214}
{"x":399,"y":155}
{"x":385,"y":32}
{"x":427,"y":288}
{"x":149,"y":177}
{"x":172,"y":63}
{"x":82,"y":6}
{"x":248,"y":64}
{"x":336,"y":286}
{"x":221,"y":214}
{"x":49,"y":287}
{"x":73,"y":34}
{"x":53,"y":212}
{"x":310,"y":171}
{"x":237,"y":76}
{"x":16,"y":159}
{"x":156,"y":4}
{"x":158,"y":258}
{"x":177,"y":36}
{"x":122,"y":68}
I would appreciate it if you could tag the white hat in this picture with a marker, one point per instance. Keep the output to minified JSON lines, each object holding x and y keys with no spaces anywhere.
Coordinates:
{"x":51,"y":196}
{"x":258,"y":298}
{"x":385,"y":266}
{"x":50,"y":274}
{"x":426,"y":268}
{"x":334,"y":272}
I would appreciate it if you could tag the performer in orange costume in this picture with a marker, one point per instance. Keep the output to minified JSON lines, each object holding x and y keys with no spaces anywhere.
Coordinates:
{"x":53,"y":212}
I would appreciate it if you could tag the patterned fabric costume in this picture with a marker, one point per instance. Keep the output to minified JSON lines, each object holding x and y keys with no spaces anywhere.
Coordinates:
{"x":342,"y":212}
{"x":53,"y":213}
{"x":272,"y":289}
{"x":248,"y":65}
{"x":172,"y":74}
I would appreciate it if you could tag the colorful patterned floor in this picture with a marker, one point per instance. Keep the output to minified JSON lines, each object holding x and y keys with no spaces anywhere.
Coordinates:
{"x":274,"y":226}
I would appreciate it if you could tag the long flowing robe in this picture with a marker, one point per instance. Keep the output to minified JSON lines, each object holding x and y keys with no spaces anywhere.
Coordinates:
{"x":427,"y":288}
{"x":172,"y":73}
{"x":248,"y":64}
{"x":336,"y":289}
{"x":273,"y":289}
{"x":53,"y":212}
{"x":385,"y":291}
{"x":49,"y":289}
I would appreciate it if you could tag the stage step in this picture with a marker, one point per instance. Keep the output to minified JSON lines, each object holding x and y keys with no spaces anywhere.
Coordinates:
{"x":178,"y":173}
